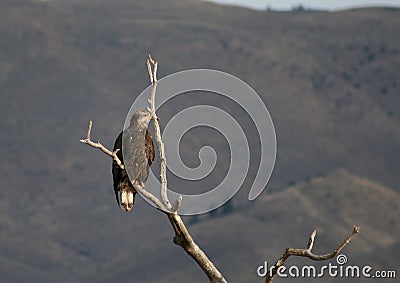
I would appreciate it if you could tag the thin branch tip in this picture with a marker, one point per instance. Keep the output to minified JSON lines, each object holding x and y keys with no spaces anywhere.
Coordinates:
{"x":311,"y":240}
{"x":151,"y":60}
{"x":177,"y":204}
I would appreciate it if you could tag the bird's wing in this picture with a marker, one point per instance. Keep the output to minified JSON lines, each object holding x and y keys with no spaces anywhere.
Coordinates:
{"x":149,"y":148}
{"x":116,"y":170}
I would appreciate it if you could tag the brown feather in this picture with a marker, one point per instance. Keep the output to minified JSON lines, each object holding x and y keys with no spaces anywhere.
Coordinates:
{"x":149,"y":148}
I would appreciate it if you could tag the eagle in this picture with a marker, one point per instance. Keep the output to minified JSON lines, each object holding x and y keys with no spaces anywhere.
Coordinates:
{"x":139,"y":155}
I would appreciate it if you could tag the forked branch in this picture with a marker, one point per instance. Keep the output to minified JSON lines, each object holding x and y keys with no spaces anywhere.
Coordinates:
{"x":307,"y":253}
{"x":112,"y":154}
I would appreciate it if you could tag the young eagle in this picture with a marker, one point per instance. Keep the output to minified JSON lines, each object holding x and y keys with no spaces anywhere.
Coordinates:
{"x":139,"y":155}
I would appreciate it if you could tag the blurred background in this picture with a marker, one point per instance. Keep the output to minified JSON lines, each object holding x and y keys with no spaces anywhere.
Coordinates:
{"x":330,"y":79}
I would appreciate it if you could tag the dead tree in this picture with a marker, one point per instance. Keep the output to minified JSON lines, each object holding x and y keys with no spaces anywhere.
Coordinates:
{"x":182,"y":236}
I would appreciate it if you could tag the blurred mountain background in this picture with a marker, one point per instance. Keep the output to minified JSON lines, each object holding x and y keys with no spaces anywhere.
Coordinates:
{"x":331,"y":81}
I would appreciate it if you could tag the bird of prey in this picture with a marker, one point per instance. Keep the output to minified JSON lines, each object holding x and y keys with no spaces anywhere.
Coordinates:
{"x":137,"y":155}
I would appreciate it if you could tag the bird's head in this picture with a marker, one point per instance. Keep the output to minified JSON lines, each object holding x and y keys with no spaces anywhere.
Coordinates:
{"x":141,"y":118}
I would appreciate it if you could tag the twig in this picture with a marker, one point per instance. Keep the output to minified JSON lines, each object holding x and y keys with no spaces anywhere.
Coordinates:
{"x":98,"y":145}
{"x":307,"y":253}
{"x":177,"y":204}
{"x":152,"y":71}
{"x":153,"y":80}
{"x":311,"y":240}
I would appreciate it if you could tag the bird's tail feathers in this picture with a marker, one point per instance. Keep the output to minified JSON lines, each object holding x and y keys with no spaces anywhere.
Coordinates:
{"x":127,"y":199}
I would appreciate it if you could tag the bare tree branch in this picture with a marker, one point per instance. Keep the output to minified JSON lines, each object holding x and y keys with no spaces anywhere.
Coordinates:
{"x":183,"y":239}
{"x":98,"y":145}
{"x":182,"y":236}
{"x":141,"y":189}
{"x":307,"y":253}
{"x":153,"y":80}
{"x":152,"y":69}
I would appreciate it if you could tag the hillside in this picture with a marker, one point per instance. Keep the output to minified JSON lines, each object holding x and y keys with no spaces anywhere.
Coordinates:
{"x":331,"y":84}
{"x":330,"y":204}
